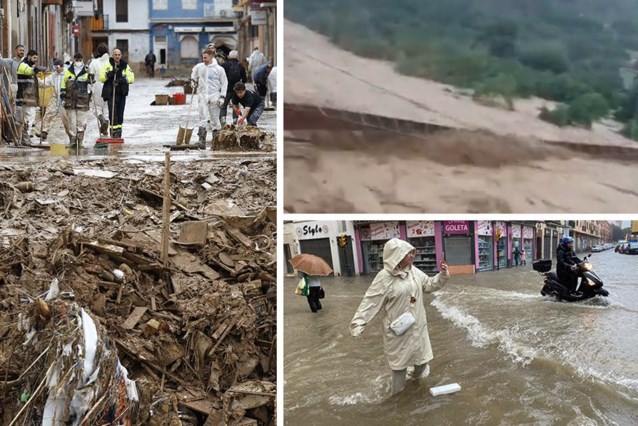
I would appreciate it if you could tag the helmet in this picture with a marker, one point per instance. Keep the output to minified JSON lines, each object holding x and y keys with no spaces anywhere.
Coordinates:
{"x":567,"y":240}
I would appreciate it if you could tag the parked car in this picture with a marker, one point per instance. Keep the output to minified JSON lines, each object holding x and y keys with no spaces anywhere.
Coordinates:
{"x":632,"y":248}
{"x":597,"y":248}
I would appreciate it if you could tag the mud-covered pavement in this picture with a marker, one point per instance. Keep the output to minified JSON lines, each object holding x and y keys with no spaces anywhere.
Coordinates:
{"x":95,"y":324}
{"x":147,"y":128}
{"x":520,"y":358}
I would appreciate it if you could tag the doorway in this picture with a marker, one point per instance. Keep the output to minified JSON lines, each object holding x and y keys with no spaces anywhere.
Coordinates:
{"x":159,"y":49}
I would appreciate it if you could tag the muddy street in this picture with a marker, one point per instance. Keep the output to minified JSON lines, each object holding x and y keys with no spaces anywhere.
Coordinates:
{"x":168,"y":307}
{"x":147,"y":128}
{"x":519,"y":357}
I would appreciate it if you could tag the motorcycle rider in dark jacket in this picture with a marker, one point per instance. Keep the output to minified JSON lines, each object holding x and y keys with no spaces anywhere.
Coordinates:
{"x":567,"y":263}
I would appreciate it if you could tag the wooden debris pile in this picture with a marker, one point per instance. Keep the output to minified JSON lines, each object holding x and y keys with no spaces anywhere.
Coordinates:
{"x":196,"y":335}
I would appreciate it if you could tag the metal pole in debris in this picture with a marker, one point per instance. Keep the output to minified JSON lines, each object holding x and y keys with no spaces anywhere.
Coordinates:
{"x":167,"y":208}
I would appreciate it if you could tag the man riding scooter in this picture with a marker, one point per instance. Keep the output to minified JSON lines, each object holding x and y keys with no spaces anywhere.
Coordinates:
{"x":567,"y":263}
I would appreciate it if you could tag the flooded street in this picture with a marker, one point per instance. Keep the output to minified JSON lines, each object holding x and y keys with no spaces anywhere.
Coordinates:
{"x":519,"y":357}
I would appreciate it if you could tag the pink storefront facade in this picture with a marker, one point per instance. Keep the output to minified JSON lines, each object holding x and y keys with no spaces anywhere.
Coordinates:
{"x":467,"y":246}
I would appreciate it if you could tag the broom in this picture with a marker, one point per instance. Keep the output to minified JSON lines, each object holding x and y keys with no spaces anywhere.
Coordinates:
{"x":102,"y":141}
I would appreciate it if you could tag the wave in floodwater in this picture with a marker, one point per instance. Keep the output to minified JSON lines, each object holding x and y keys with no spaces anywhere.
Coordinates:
{"x":480,"y":336}
{"x":378,"y":391}
{"x":510,"y":341}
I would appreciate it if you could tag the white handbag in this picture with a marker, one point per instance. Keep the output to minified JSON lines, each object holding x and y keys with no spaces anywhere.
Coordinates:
{"x":403,"y":323}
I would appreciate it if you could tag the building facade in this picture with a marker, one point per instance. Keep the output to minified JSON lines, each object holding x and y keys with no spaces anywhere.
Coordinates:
{"x":320,"y":238}
{"x":467,"y":246}
{"x":180,"y":29}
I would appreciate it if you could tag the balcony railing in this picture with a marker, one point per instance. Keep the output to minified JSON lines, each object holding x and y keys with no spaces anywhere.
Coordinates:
{"x":100,"y":24}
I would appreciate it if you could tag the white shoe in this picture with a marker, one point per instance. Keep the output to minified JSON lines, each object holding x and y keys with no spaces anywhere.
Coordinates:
{"x":423,"y":375}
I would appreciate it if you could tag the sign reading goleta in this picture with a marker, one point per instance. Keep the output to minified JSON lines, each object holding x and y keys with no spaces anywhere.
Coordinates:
{"x":456,"y":227}
{"x":312,"y":231}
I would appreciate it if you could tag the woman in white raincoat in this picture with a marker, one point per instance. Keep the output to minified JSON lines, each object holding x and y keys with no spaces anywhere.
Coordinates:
{"x":398,"y":289}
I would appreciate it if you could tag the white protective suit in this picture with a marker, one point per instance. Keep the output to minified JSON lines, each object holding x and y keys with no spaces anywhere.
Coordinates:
{"x":255,"y":60}
{"x":54,"y":109}
{"x":391,"y":292}
{"x":211,"y":86}
{"x":95,"y":68}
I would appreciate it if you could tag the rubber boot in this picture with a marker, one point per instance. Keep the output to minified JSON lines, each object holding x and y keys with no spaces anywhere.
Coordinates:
{"x":201,"y":132}
{"x":117,"y":133}
{"x":44,"y":136}
{"x":73,"y":143}
{"x":80,"y":138}
{"x":104,"y":125}
{"x":212,"y":143}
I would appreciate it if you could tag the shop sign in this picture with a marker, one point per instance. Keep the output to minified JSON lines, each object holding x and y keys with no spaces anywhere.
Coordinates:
{"x":528,"y":233}
{"x":312,"y":230}
{"x":501,"y":229}
{"x":516,"y":231}
{"x":384,"y":230}
{"x":456,"y":227}
{"x":258,"y":17}
{"x":485,"y":227}
{"x":420,"y":228}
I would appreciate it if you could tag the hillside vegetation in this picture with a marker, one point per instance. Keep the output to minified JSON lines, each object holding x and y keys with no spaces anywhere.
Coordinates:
{"x":568,"y":51}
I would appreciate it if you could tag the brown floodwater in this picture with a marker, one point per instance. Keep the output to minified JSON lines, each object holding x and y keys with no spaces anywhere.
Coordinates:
{"x":520,"y":358}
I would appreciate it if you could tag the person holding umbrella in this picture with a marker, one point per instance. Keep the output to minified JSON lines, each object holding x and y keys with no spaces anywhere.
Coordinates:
{"x":312,"y":267}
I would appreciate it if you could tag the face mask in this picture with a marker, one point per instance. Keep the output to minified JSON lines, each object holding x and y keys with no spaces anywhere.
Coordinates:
{"x":78,"y":64}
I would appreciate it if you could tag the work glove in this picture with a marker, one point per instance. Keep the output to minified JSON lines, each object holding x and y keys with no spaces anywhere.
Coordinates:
{"x":122,"y":80}
{"x":237,"y":111}
{"x":38,"y":69}
{"x":220,"y":102}
{"x":110,"y":74}
{"x":241,"y":120}
{"x":193,"y":84}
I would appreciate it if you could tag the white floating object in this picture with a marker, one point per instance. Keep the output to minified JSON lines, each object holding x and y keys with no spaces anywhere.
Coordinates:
{"x":445,"y":389}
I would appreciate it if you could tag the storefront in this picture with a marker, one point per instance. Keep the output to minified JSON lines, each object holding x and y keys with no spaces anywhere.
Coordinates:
{"x":373,"y":237}
{"x":516,"y":242}
{"x":314,"y":238}
{"x":484,"y":245}
{"x":502,"y":253}
{"x":422,"y":236}
{"x":528,"y":243}
{"x":458,"y":246}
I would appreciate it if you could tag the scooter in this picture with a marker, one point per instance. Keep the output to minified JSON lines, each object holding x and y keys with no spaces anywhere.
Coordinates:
{"x":590,"y":285}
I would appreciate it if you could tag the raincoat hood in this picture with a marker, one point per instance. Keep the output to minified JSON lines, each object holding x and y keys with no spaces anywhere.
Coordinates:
{"x":393,"y":253}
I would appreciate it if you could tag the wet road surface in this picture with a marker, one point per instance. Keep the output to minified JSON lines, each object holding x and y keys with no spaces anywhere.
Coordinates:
{"x":146,"y":129}
{"x":519,"y":357}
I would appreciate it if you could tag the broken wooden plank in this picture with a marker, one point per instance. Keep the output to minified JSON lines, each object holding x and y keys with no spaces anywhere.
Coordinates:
{"x":193,"y":233}
{"x":105,"y":248}
{"x":135,"y":316}
{"x":241,"y":238}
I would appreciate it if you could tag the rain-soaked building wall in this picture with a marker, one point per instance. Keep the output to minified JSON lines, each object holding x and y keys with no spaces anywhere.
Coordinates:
{"x":467,"y":246}
{"x":321,"y":239}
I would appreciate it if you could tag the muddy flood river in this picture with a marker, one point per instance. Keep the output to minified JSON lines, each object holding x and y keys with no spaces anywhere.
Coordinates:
{"x":520,"y":358}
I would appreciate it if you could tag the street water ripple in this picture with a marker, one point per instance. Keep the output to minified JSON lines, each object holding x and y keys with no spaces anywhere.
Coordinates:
{"x":519,"y":357}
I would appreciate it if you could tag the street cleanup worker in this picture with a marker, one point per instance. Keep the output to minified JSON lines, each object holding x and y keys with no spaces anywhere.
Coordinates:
{"x":54,"y":110}
{"x":253,"y":104}
{"x":116,"y":76}
{"x":209,"y":80}
{"x":27,"y":95}
{"x":397,"y":290}
{"x":100,"y":110}
{"x":235,"y":72}
{"x":76,"y":94}
{"x":260,"y":79}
